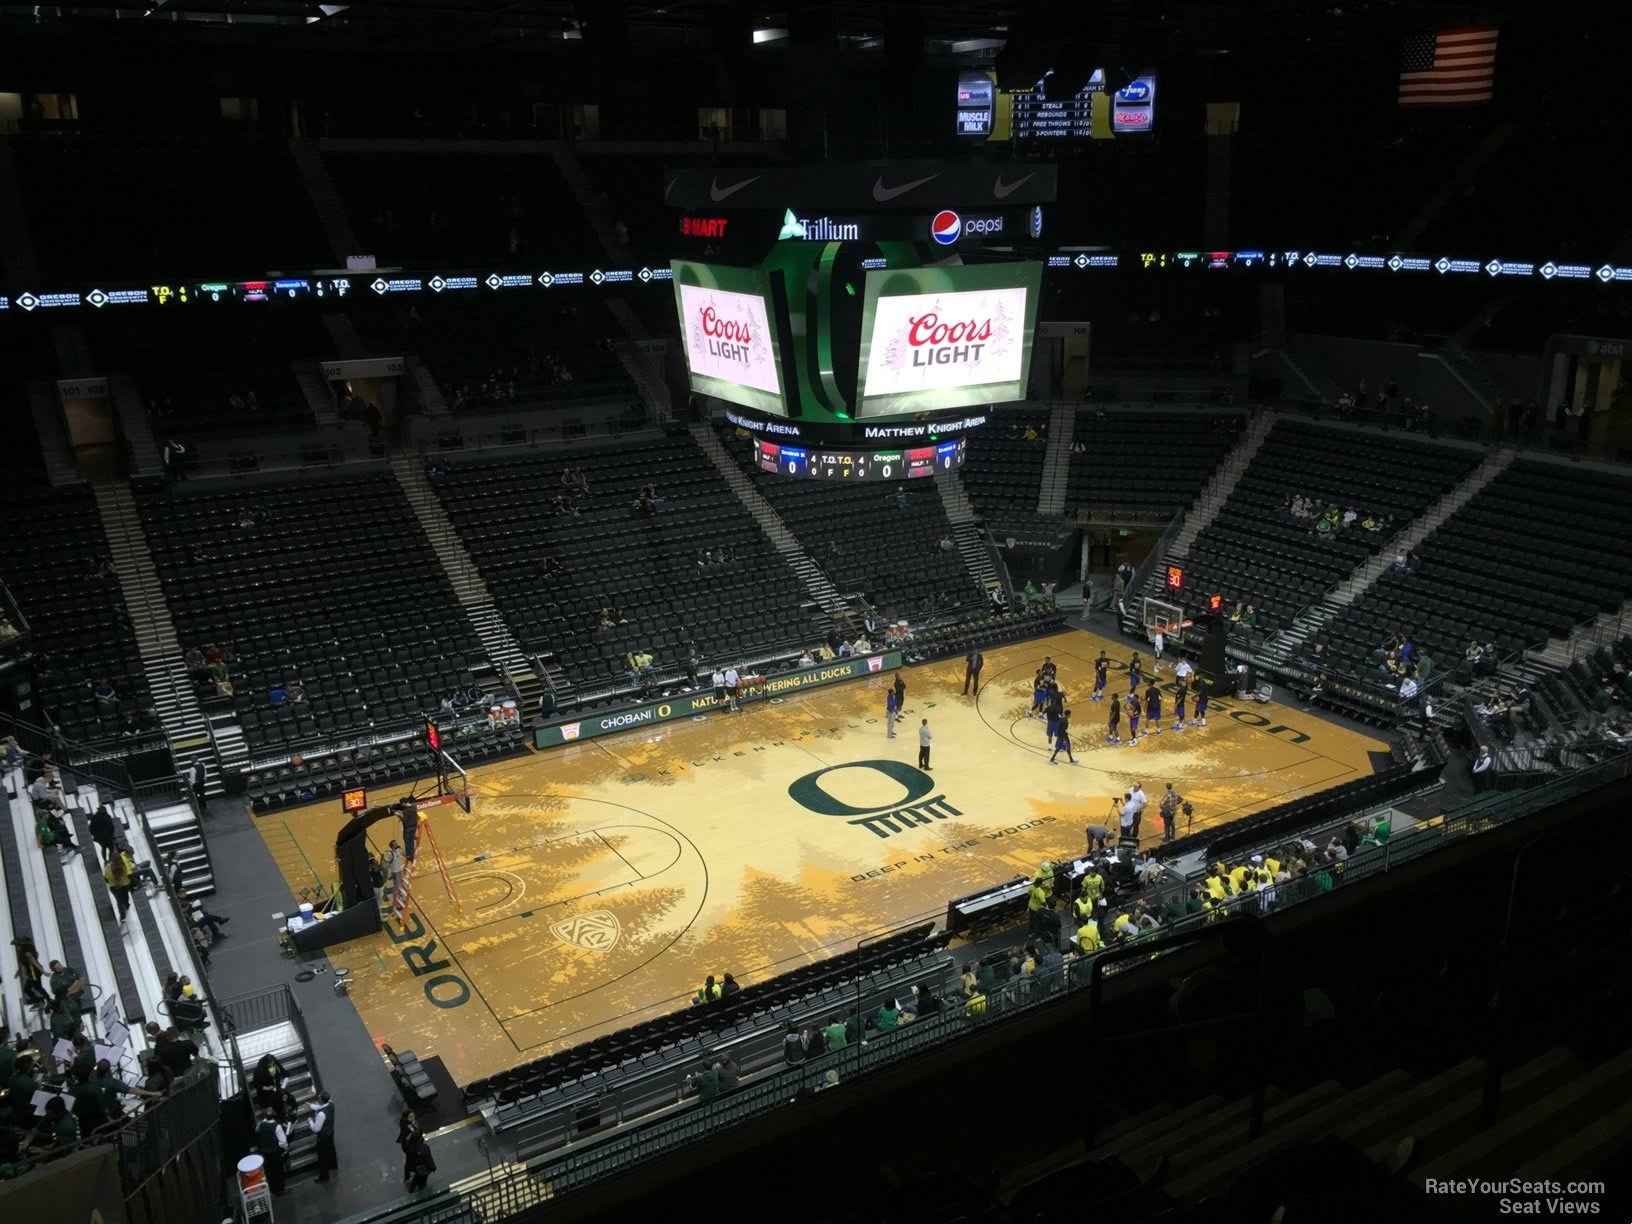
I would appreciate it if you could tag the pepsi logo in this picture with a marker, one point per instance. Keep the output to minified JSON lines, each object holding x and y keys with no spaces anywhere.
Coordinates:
{"x":946,"y":227}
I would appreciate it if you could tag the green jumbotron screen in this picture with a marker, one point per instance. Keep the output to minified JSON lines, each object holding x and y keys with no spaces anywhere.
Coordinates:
{"x":731,"y":347}
{"x":834,"y":337}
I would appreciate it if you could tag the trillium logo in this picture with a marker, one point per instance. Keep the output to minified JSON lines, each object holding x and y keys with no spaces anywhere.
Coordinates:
{"x":569,"y":731}
{"x":821,"y":229}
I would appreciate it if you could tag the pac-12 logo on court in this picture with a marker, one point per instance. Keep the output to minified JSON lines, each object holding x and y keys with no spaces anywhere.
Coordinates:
{"x":596,"y":931}
{"x":912,"y":807}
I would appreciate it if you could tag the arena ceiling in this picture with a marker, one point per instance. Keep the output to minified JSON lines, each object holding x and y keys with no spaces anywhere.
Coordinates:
{"x":1156,"y":29}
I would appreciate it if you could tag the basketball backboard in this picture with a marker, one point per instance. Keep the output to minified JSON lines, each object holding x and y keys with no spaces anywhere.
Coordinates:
{"x":1166,"y":618}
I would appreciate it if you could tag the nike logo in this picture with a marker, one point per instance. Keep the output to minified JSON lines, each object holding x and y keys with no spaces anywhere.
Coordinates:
{"x":885,"y":194}
{"x":1003,"y":190}
{"x":718,"y":193}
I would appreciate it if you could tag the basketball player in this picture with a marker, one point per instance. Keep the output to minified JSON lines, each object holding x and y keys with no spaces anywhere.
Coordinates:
{"x":1039,"y":695}
{"x":1062,"y":737}
{"x":1156,"y":643}
{"x":733,"y":686}
{"x":1200,"y":689}
{"x":718,"y":680}
{"x":1133,"y":718}
{"x":1179,"y":695}
{"x":1135,"y":670}
{"x":1101,"y":667}
{"x":1153,"y":709}
{"x":1055,"y":710}
{"x":1048,"y":668}
{"x":1111,"y":736}
{"x":891,"y":713}
{"x":1182,"y":670}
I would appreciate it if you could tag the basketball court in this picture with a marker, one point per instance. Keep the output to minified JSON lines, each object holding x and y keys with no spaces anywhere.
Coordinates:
{"x":600,"y":882}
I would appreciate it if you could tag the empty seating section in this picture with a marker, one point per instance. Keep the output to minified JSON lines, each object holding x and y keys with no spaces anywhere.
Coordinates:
{"x":460,"y":210}
{"x":1500,"y":202}
{"x":871,"y":541}
{"x":495,"y":352}
{"x":1146,"y":462}
{"x":162,"y":211}
{"x":1301,"y":189}
{"x":1149,"y":325}
{"x":1004,"y":466}
{"x":1255,"y":552}
{"x":633,"y":190}
{"x":52,"y":556}
{"x":333,"y":589}
{"x":1540,"y":549}
{"x":1172,"y":188}
{"x":650,"y":568}
{"x":210,"y":368}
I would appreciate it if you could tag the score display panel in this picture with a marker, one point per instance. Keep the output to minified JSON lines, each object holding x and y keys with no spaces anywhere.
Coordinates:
{"x":829,"y":463}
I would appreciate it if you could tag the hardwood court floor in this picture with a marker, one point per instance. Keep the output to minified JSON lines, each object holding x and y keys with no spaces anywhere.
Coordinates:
{"x":600,"y":882}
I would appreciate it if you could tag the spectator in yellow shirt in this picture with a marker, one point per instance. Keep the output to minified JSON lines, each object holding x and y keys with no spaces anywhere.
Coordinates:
{"x":1088,"y":939}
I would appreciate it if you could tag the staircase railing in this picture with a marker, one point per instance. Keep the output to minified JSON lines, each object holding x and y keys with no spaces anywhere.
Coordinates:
{"x":263,"y":1009}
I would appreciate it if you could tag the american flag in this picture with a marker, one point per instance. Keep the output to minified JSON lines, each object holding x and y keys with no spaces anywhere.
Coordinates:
{"x":1450,"y":68}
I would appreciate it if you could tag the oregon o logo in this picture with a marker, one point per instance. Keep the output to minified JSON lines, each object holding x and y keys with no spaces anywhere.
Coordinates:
{"x":809,"y":793}
{"x":914,"y":806}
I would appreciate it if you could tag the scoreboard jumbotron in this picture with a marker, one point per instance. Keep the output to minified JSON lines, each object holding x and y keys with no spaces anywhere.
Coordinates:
{"x":842,"y":464}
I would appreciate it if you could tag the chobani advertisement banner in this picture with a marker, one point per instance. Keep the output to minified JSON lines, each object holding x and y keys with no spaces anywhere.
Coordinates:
{"x":700,"y":702}
{"x":731,"y":351}
{"x":947,"y":337}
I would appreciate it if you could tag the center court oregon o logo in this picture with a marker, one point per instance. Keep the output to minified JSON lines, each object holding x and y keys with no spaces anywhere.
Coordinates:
{"x":916,"y":807}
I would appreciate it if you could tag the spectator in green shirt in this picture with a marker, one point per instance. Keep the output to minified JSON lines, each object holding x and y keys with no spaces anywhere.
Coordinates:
{"x":64,"y":1024}
{"x":889,"y":1017}
{"x":836,"y":1034}
{"x":708,"y":1082}
{"x":68,"y":984}
{"x":57,"y":1128}
{"x":112,"y":1087}
{"x":23,"y":1086}
{"x":1601,"y":700}
{"x":89,"y":1109}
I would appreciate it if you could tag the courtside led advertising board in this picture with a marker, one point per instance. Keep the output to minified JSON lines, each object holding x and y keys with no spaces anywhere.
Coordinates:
{"x":946,"y":337}
{"x":731,"y":352}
